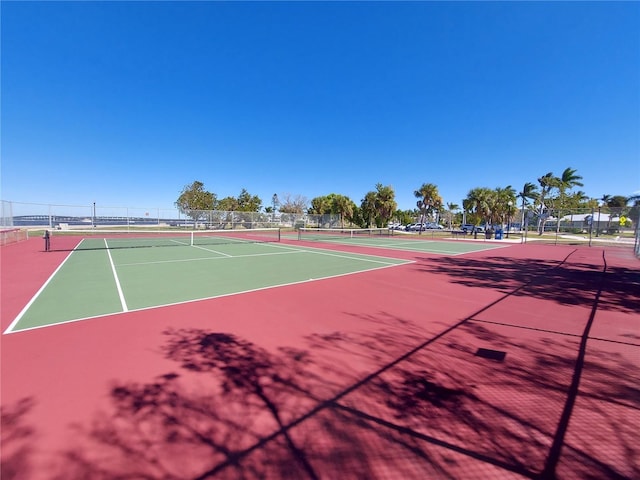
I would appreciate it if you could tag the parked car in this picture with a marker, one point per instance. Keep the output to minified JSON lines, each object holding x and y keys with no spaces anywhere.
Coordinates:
{"x":468,"y":228}
{"x":416,"y":227}
{"x":434,"y":226}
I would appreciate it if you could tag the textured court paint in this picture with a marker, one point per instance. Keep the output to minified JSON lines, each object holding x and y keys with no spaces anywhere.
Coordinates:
{"x":325,"y":337}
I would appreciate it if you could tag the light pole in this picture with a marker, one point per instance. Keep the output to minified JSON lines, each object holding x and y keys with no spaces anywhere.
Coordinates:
{"x":598,"y":224}
{"x":509,"y":204}
{"x":591,"y":226}
{"x":275,"y":202}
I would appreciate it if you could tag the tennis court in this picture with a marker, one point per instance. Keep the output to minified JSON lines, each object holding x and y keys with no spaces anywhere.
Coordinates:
{"x":213,"y":356}
{"x":111,"y":272}
{"x":390,"y":239}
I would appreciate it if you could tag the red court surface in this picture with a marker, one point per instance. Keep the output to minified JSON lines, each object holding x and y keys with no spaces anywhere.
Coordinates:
{"x":521,"y":362}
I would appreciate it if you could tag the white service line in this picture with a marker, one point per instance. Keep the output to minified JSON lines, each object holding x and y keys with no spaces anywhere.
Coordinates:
{"x":203,"y":259}
{"x":350,"y":256}
{"x":115,"y":276}
{"x":211,"y":250}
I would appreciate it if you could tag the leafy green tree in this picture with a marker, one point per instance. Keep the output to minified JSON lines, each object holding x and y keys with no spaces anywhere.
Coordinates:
{"x":228,"y":204}
{"x":404,"y":216}
{"x":633,"y":217}
{"x":577,"y":200}
{"x":368,"y":209}
{"x":617,"y":201}
{"x":248,"y":202}
{"x":335,"y":204}
{"x":194,"y":201}
{"x":320,"y":205}
{"x":357,"y":216}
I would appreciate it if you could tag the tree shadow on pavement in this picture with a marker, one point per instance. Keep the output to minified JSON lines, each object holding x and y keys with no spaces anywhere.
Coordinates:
{"x":560,"y":282}
{"x":16,"y":439}
{"x":232,"y":409}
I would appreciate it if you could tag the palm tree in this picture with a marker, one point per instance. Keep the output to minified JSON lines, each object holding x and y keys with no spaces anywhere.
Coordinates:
{"x":368,"y":208}
{"x":565,"y":182}
{"x":428,"y":200}
{"x":547,"y":183}
{"x":529,"y":192}
{"x":480,"y":201}
{"x":452,"y":208}
{"x":343,"y":206}
{"x":385,"y":204}
{"x":504,"y":200}
{"x":467,"y":207}
{"x":604,"y":202}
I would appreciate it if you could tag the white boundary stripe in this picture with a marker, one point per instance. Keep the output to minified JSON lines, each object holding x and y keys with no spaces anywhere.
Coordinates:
{"x":289,"y":251}
{"x":405,"y":244}
{"x":205,"y":259}
{"x":213,"y":297}
{"x":211,"y":250}
{"x":348,"y":255}
{"x":123,"y":302}
{"x":33,"y":299}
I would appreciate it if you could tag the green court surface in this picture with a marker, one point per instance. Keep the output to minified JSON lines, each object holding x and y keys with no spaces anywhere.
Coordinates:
{"x":97,"y":282}
{"x":411,"y":242}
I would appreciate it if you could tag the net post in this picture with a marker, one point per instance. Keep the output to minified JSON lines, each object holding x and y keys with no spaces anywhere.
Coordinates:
{"x":191,"y":239}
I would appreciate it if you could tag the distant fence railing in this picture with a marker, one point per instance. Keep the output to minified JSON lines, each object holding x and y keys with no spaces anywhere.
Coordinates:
{"x":605,"y":226}
{"x":12,"y":235}
{"x":34,"y":215}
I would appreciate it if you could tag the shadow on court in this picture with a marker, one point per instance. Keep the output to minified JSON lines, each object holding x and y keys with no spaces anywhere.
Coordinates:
{"x":17,"y":439}
{"x":566,"y":282}
{"x":232,"y":409}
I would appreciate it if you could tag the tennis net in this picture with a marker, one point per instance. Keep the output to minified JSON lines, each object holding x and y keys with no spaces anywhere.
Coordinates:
{"x":328,"y":234}
{"x":107,"y":239}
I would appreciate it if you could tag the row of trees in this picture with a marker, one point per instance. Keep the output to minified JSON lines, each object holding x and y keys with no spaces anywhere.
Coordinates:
{"x":551,"y":196}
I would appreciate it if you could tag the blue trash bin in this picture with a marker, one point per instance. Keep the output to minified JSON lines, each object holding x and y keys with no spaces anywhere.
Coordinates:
{"x":499,"y":234}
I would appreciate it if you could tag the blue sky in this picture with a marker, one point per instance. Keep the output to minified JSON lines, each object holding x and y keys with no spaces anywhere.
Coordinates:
{"x":125,"y":103}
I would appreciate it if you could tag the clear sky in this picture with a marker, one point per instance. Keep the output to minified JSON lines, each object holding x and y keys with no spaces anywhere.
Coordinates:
{"x":125,"y":103}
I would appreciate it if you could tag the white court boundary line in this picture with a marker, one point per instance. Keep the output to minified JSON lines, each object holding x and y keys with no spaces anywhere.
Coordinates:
{"x":206,"y":259}
{"x":123,"y":302}
{"x":403,"y":244}
{"x":211,"y":250}
{"x":290,"y":250}
{"x":348,"y":255}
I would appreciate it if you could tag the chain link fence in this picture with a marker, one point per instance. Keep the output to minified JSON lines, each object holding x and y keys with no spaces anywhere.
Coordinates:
{"x":601,"y":226}
{"x":36,"y":215}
